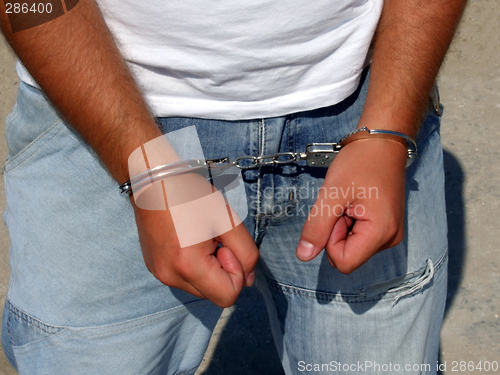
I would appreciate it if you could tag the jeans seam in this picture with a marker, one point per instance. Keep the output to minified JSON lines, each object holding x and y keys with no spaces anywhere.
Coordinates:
{"x":75,"y":331}
{"x":294,"y":120}
{"x":31,"y":145}
{"x":259,"y":185}
{"x":264,"y":139}
{"x":9,"y":329}
{"x":14,"y":310}
{"x":349,"y":297}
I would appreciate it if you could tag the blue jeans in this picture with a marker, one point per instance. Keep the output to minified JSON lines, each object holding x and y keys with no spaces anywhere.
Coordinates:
{"x":81,"y":300}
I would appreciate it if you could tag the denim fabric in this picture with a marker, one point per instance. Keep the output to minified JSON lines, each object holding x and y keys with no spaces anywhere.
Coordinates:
{"x":81,"y":301}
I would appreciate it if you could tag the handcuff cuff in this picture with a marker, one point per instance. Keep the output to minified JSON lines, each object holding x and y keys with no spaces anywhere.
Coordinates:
{"x":316,"y":155}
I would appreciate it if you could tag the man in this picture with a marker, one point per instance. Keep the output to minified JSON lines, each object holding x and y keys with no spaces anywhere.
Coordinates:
{"x":256,"y":78}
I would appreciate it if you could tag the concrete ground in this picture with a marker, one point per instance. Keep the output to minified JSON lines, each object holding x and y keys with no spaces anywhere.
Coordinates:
{"x":470,"y":92}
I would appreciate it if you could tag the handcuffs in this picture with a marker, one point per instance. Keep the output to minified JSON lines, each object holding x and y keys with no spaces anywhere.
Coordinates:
{"x":316,"y":155}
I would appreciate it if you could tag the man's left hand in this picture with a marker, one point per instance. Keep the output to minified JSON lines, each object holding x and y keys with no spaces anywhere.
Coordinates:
{"x":359,"y":210}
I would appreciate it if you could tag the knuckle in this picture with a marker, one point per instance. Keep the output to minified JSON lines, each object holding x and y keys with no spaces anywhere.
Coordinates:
{"x":164,"y":277}
{"x":345,"y":267}
{"x":253,"y":258}
{"x":346,"y":264}
{"x":185,"y":273}
{"x":312,"y":233}
{"x":399,"y":237}
{"x":226,"y":301}
{"x":392,"y":226}
{"x":394,"y":232}
{"x":182,"y":266}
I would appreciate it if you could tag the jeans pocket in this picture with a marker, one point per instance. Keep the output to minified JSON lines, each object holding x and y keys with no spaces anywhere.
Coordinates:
{"x":20,"y":329}
{"x":168,"y":342}
{"x":32,"y":123}
{"x":24,"y":329}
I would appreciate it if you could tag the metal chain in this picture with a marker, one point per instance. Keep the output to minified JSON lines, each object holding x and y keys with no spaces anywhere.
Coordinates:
{"x":279,"y":158}
{"x":316,"y":155}
{"x":363,"y":129}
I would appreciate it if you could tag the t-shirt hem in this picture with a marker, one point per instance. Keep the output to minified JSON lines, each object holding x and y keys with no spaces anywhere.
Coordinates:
{"x":166,"y":106}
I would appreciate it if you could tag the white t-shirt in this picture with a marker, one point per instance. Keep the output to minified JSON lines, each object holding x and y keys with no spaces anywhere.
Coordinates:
{"x":227,"y":59}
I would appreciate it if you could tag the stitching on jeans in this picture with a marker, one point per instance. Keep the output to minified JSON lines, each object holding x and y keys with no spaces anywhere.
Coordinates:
{"x":349,"y":297}
{"x":264,"y":137}
{"x":172,"y":311}
{"x":14,"y":310}
{"x":9,"y":329}
{"x":31,"y":145}
{"x":262,"y":151}
{"x":288,"y":126}
{"x":259,"y":186}
{"x":288,"y":136}
{"x":295,"y":150}
{"x":72,"y":331}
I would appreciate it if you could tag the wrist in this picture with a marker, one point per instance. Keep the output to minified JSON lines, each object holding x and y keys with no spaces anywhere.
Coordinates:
{"x":115,"y":149}
{"x":385,"y":120}
{"x":391,"y":136}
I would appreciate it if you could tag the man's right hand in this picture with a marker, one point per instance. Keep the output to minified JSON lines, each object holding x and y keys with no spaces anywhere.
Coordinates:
{"x":204,"y":269}
{"x":77,"y":64}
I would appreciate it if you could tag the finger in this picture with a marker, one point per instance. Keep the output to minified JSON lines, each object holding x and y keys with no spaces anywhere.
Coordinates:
{"x":339,"y":235}
{"x":232,"y":267}
{"x":242,"y":245}
{"x":341,"y":229}
{"x":220,"y":279}
{"x":193,"y":269}
{"x":330,"y":261}
{"x":350,"y":251}
{"x":317,"y":228}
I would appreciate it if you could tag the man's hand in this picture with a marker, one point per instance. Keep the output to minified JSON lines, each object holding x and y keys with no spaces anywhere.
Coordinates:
{"x":203,"y":269}
{"x":76,"y":62}
{"x":360,"y":207}
{"x":410,"y":44}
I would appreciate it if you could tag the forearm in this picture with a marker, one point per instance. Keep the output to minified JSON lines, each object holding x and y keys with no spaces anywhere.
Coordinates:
{"x":411,"y":41}
{"x":77,"y":64}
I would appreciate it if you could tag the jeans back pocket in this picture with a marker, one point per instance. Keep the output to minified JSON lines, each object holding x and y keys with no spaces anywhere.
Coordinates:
{"x":32,"y":123}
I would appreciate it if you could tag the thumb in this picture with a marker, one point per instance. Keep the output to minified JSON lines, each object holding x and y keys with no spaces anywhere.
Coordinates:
{"x":318,"y":228}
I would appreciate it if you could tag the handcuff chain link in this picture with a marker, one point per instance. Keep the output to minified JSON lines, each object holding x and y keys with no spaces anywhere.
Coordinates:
{"x":316,"y":155}
{"x":279,"y":158}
